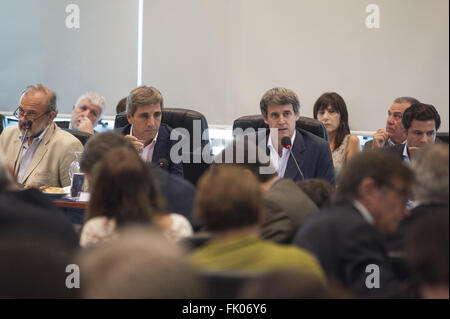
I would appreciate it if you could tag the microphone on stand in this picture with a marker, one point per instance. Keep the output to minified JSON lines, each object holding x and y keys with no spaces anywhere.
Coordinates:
{"x":27,"y":126}
{"x":163,"y":163}
{"x":287,"y":144}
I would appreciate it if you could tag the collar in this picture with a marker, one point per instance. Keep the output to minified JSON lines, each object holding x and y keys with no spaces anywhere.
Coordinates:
{"x":270,"y":144}
{"x":364,"y":212}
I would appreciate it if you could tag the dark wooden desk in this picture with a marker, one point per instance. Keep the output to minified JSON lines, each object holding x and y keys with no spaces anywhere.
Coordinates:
{"x":70,"y":204}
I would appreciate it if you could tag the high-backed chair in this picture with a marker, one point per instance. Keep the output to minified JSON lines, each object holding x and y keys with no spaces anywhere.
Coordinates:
{"x":2,"y":123}
{"x":81,"y":136}
{"x":257,"y":121}
{"x":187,"y":119}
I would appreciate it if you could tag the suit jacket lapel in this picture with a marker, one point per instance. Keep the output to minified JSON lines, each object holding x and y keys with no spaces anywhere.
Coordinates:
{"x":297,"y":150}
{"x":160,"y":146}
{"x":41,"y":150}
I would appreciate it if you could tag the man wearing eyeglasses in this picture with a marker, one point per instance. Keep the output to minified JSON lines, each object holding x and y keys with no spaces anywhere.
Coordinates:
{"x":348,"y":236}
{"x":37,"y":149}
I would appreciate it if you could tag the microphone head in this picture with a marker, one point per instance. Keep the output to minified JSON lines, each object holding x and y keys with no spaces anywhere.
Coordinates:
{"x":28,"y":124}
{"x":163,"y":163}
{"x":286,"y":142}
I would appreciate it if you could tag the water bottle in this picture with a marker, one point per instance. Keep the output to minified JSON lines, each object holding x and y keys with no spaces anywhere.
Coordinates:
{"x":75,"y":166}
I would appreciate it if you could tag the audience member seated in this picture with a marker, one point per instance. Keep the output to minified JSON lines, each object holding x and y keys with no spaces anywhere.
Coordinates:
{"x":140,"y":264}
{"x":121,"y":106}
{"x":421,"y":122}
{"x":145,"y":131}
{"x":229,"y":205}
{"x":291,"y":285}
{"x":123,"y":192}
{"x":280,"y":109}
{"x":47,"y":151}
{"x":330,"y":109}
{"x":285,"y":206}
{"x":318,"y":190}
{"x":33,"y":265}
{"x":87,"y":112}
{"x":427,"y":252}
{"x":179,"y":194}
{"x":346,"y":237}
{"x":431,"y":190}
{"x":394,"y":134}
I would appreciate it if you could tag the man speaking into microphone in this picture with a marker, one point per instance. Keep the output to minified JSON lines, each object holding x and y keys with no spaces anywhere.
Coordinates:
{"x":304,"y":154}
{"x":37,"y":149}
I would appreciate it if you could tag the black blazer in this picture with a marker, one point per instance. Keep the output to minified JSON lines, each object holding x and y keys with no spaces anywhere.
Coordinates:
{"x":313,"y":155}
{"x":162,"y":147}
{"x":345,"y":244}
{"x":397,"y":150}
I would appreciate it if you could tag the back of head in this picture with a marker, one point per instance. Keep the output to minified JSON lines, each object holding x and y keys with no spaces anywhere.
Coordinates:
{"x":228,"y":198}
{"x":427,"y":249}
{"x":319,"y":190}
{"x":143,"y":95}
{"x":421,"y":112}
{"x":121,"y":106}
{"x":141,"y":263}
{"x":379,"y":165}
{"x":244,"y":152}
{"x":430,"y":164}
{"x":33,"y":266}
{"x":123,"y":188}
{"x":98,"y":145}
{"x":279,"y":96}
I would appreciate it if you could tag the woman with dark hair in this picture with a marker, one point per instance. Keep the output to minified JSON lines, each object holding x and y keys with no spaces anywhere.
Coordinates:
{"x":124,"y":192}
{"x":330,"y":109}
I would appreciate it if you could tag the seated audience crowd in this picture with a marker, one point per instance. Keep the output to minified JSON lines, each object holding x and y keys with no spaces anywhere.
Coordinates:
{"x":280,"y":215}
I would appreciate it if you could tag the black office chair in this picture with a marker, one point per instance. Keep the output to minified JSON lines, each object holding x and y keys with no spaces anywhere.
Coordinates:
{"x":2,"y":123}
{"x":183,"y":118}
{"x":82,"y":136}
{"x":63,"y":124}
{"x":442,"y":137}
{"x":257,"y":121}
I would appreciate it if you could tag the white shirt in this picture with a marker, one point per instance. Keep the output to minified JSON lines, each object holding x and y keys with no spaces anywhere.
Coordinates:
{"x":364,"y":212}
{"x":28,"y":153}
{"x":278,"y":162}
{"x":147,"y":152}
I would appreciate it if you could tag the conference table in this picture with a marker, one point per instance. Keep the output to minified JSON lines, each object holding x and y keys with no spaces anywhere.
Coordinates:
{"x":73,"y":209}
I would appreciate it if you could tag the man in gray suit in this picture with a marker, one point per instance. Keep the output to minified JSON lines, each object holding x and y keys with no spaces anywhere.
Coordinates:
{"x":37,"y":149}
{"x":395,"y":133}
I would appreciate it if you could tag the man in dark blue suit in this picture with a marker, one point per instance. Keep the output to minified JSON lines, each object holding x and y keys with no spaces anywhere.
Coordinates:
{"x":145,"y":131}
{"x":348,"y":237}
{"x":280,"y":109}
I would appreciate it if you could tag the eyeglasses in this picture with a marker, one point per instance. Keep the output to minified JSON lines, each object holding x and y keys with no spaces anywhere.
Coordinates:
{"x":19,"y":112}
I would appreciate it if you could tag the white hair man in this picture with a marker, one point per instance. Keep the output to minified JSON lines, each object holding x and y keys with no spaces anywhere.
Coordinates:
{"x":87,"y":112}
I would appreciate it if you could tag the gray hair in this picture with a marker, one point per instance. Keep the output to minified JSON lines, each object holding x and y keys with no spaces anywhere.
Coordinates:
{"x":96,"y":100}
{"x":279,"y":96}
{"x":6,"y":178}
{"x":51,"y":97}
{"x":406,"y":99}
{"x":143,"y":95}
{"x":430,"y":164}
